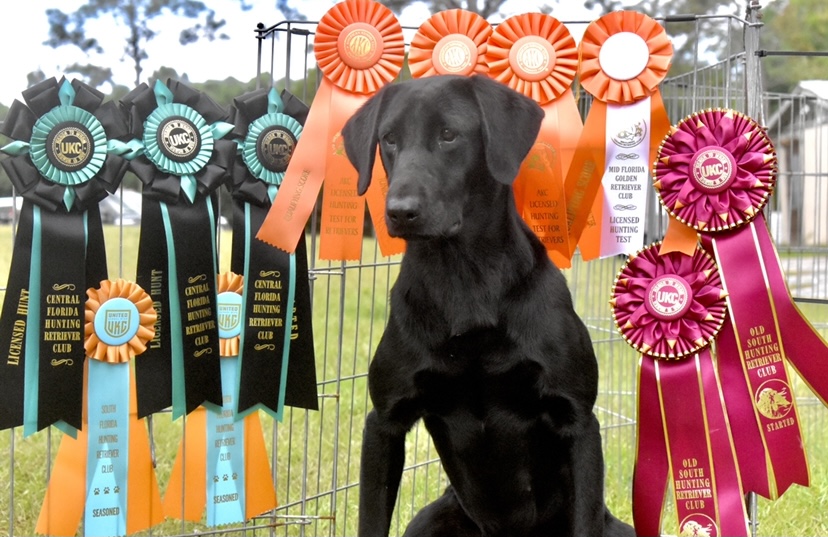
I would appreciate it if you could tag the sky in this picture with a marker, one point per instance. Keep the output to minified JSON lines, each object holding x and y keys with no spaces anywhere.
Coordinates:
{"x":24,"y":28}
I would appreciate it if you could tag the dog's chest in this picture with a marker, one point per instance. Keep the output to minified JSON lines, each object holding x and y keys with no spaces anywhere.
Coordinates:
{"x":479,"y":374}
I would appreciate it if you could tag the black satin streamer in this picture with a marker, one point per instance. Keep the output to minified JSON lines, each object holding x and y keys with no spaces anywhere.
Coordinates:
{"x":259,"y":373}
{"x":14,"y":325}
{"x":73,"y":255}
{"x":194,"y":253}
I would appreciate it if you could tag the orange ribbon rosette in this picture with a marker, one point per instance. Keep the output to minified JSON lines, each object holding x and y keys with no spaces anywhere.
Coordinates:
{"x":232,"y":482}
{"x":359,"y":48}
{"x":105,"y":475}
{"x":451,"y":42}
{"x":535,"y":54}
{"x":624,"y":56}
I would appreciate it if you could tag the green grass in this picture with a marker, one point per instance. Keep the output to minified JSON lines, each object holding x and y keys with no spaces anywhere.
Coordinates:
{"x":316,"y":454}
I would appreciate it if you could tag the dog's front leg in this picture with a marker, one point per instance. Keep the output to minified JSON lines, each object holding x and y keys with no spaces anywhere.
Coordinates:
{"x":383,"y":455}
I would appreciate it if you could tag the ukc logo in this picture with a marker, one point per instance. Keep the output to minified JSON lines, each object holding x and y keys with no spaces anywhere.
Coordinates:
{"x":229,"y":313}
{"x":712,"y":169}
{"x":668,"y":297}
{"x":630,"y":136}
{"x":229,"y":316}
{"x":117,"y":323}
{"x":70,"y":147}
{"x":275,"y":148}
{"x":179,"y":139}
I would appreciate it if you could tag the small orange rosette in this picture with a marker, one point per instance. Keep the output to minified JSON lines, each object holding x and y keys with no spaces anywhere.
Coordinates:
{"x":108,"y":465}
{"x":144,"y":331}
{"x":359,"y":48}
{"x":536,"y":55}
{"x":624,"y":56}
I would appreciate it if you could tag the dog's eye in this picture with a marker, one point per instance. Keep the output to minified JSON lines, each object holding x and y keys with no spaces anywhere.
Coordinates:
{"x":448,"y":135}
{"x":389,"y":139}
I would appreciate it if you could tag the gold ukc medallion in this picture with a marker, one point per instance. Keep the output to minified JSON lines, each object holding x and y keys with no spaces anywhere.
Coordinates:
{"x":274,"y":147}
{"x":69,"y":146}
{"x":178,"y":139}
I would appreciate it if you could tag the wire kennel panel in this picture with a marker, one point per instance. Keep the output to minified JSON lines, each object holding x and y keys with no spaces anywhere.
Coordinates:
{"x":315,"y":454}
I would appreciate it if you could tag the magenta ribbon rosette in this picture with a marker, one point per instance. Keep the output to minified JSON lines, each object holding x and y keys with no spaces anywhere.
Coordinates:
{"x":669,"y":308}
{"x":714,"y":173}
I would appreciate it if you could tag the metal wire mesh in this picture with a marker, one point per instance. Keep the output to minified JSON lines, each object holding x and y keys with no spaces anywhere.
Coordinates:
{"x":315,"y":455}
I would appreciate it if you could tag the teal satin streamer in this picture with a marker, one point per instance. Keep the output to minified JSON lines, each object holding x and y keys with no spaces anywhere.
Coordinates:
{"x":32,"y":363}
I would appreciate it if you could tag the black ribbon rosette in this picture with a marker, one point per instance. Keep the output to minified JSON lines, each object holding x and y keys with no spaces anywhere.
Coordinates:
{"x":276,"y":353}
{"x":183,"y":160}
{"x":68,"y":151}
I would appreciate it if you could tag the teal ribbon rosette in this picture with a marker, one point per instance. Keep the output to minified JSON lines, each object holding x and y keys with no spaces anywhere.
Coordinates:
{"x":68,"y":151}
{"x":276,"y":355}
{"x":183,"y":159}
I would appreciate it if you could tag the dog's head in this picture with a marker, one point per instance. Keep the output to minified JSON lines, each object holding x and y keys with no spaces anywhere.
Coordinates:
{"x":439,"y":139}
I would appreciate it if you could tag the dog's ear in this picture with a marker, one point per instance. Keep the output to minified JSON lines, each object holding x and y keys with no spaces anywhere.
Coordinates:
{"x":511,"y":122}
{"x":360,"y":135}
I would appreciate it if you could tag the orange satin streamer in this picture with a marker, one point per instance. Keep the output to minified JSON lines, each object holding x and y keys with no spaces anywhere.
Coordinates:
{"x":343,"y":210}
{"x":293,"y":204}
{"x":539,"y":191}
{"x":589,"y":242}
{"x":679,"y":238}
{"x":535,"y":54}
{"x":188,"y":471}
{"x":359,"y":47}
{"x":583,"y":181}
{"x":63,"y":505}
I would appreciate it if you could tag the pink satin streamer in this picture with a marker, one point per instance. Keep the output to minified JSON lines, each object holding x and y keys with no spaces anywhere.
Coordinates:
{"x":705,"y":478}
{"x":762,"y":345}
{"x":807,"y":350}
{"x":651,"y":466}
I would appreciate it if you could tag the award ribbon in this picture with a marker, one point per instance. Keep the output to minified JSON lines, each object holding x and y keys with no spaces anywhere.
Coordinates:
{"x":222,"y":461}
{"x":67,"y":154}
{"x":359,"y":48}
{"x":182,"y":161}
{"x":624,"y":56}
{"x":105,"y":475}
{"x":536,"y":55}
{"x":714,"y":174}
{"x":669,"y":308}
{"x":451,"y":42}
{"x":277,"y":360}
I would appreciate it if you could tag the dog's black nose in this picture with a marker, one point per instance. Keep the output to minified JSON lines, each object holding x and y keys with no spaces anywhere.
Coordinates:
{"x":403,"y":210}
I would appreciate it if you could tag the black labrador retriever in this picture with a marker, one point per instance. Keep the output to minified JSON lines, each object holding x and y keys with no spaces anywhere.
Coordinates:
{"x":482,"y":341}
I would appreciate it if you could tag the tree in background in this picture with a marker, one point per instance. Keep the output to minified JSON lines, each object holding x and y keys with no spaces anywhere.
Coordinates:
{"x":794,"y":25}
{"x":137,"y":17}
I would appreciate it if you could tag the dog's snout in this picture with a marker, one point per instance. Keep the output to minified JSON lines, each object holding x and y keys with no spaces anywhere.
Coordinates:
{"x":403,"y":210}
